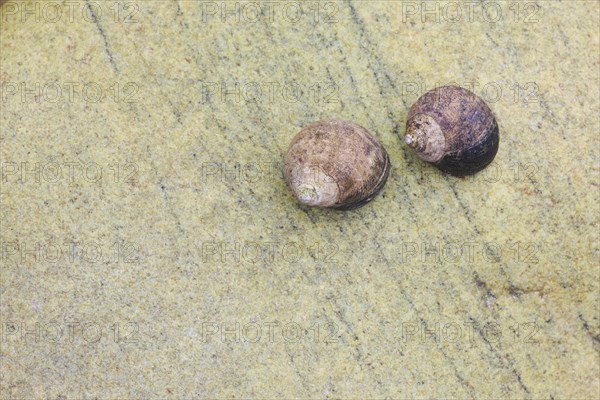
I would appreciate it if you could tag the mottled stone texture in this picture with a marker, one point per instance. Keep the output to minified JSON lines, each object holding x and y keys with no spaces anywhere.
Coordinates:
{"x":482,"y":287}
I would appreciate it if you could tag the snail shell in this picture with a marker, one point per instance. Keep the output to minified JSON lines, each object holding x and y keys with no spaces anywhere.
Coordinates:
{"x":453,"y":129}
{"x":336,"y":164}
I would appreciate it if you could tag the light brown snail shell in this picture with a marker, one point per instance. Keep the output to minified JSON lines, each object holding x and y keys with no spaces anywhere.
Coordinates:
{"x":336,"y":164}
{"x":453,"y":129}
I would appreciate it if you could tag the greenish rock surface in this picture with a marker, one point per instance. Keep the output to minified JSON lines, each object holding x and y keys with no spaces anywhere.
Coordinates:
{"x":150,"y":247}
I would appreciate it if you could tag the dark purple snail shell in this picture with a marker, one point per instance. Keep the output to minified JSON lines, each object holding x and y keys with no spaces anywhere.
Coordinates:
{"x":453,"y":129}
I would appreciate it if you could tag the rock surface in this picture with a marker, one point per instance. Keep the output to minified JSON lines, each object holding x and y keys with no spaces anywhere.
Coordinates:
{"x":150,"y":247}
